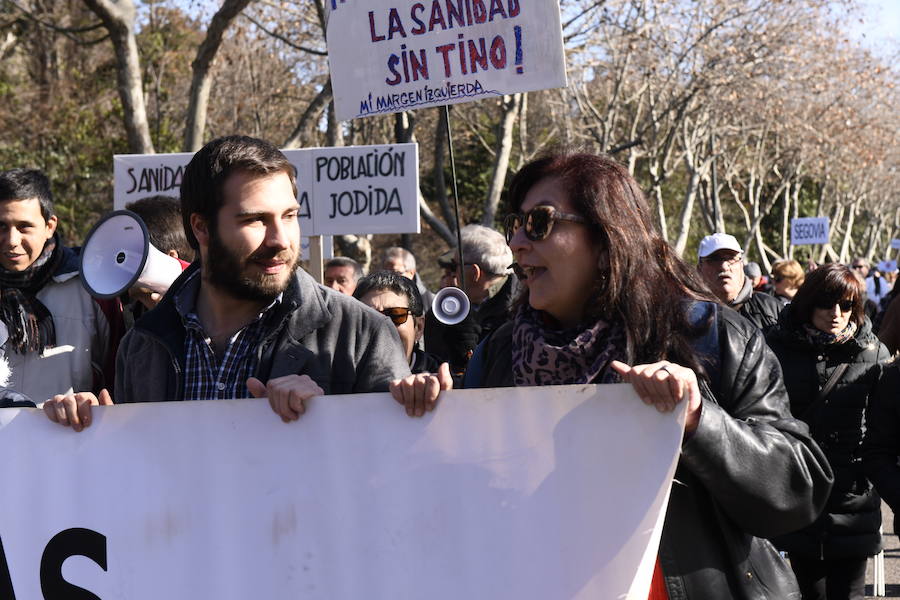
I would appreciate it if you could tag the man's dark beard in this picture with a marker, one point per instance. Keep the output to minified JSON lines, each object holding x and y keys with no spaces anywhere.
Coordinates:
{"x":225,"y":271}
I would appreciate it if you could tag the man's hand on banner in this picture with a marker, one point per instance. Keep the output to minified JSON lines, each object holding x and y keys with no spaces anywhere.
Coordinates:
{"x":664,"y":384}
{"x":287,"y":395}
{"x":419,"y":393}
{"x":74,"y":410}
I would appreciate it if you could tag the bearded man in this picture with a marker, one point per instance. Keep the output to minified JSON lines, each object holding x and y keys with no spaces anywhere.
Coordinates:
{"x":244,"y":320}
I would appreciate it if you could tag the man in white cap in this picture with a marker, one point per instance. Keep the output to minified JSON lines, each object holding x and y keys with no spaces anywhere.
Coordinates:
{"x":720,"y":263}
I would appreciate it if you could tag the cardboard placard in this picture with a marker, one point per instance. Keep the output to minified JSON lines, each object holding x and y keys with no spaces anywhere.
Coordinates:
{"x":393,"y":55}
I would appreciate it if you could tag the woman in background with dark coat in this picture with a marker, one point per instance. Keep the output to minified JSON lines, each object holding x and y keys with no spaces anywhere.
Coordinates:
{"x":832,"y":363}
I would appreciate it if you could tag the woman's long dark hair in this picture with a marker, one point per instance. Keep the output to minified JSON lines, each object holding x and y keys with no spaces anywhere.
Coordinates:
{"x":646,"y":285}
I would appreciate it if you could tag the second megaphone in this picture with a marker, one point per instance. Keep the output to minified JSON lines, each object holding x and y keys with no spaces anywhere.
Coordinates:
{"x":117,"y":255}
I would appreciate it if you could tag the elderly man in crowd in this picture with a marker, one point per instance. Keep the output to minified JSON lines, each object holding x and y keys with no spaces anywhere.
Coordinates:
{"x":59,"y":339}
{"x":244,"y":320}
{"x":402,"y":261}
{"x":489,"y":287}
{"x":341,"y":274}
{"x":720,"y":263}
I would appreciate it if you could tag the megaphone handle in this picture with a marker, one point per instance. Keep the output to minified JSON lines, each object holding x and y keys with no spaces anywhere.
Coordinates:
{"x":459,"y":252}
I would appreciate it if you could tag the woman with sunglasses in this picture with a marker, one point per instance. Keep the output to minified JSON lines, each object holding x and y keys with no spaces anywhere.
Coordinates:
{"x":398,"y":298}
{"x":603,"y":290}
{"x":832,"y":363}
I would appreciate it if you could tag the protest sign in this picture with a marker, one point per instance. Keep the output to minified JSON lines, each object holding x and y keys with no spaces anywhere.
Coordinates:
{"x":366,"y":189}
{"x":809,"y":230}
{"x":349,"y":190}
{"x":887,"y":266}
{"x":137,"y":176}
{"x":389,"y":56}
{"x":532,"y":493}
{"x":895,"y":244}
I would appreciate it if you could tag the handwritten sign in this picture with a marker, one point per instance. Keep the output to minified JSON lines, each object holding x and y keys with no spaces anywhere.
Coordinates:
{"x":394,"y":55}
{"x":137,"y":176}
{"x":346,"y":190}
{"x":509,"y":494}
{"x":809,"y":230}
{"x":366,"y":189}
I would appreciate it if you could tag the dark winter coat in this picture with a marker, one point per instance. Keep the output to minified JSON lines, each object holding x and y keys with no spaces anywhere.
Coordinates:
{"x":881,"y":446}
{"x":762,"y":310}
{"x":772,"y":478}
{"x":849,"y":527}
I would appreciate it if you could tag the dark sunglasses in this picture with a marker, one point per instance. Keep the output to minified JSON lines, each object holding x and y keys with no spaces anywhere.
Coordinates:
{"x":538,"y":222}
{"x":844,"y":305}
{"x":398,"y":314}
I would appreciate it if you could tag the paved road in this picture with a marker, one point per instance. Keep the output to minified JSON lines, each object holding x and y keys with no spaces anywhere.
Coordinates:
{"x":891,"y":559}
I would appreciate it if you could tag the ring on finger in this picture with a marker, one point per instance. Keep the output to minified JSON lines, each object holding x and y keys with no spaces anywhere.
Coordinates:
{"x":665,"y":368}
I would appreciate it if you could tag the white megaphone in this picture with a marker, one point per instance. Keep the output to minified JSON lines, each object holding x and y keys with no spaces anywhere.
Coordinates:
{"x":450,"y":306}
{"x":117,"y":255}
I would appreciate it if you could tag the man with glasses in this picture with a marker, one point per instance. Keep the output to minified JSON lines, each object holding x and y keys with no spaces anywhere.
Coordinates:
{"x":720,"y":264}
{"x":861,"y":267}
{"x":396,"y":297}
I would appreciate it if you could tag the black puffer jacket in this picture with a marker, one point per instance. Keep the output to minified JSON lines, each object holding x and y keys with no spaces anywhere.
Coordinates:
{"x":849,"y":527}
{"x":750,"y":471}
{"x":762,"y":310}
{"x":881,"y":446}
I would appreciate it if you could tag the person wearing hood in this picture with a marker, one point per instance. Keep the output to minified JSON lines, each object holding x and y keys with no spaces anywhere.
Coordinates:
{"x":832,"y":363}
{"x":720,"y":263}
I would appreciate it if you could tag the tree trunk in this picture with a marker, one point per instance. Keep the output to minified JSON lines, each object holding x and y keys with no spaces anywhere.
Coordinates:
{"x":118,"y":19}
{"x":786,"y":248}
{"x":510,"y":106}
{"x":201,"y":82}
{"x":687,"y":212}
{"x":848,"y":232}
{"x":299,"y":138}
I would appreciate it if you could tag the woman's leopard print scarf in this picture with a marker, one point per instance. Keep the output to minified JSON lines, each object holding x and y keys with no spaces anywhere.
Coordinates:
{"x":543,"y":356}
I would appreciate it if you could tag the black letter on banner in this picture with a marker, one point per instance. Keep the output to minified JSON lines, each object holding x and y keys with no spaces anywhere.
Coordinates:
{"x":6,"y":587}
{"x":71,"y":542}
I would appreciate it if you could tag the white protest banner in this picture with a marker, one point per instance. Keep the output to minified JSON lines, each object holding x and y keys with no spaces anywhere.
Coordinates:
{"x":895,"y":244}
{"x":366,"y":189}
{"x":394,"y":55}
{"x":809,"y":230}
{"x":535,"y":493}
{"x":368,"y":192}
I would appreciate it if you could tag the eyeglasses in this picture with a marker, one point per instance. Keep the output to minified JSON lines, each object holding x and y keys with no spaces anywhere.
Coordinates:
{"x":858,"y":267}
{"x":777,"y":279}
{"x":725,"y":262}
{"x":538,"y":222}
{"x":844,"y":305}
{"x":398,"y":314}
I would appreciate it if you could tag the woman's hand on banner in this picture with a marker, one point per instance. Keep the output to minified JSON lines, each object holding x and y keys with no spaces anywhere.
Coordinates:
{"x":419,"y":393}
{"x":74,"y":410}
{"x":664,"y":384}
{"x":287,"y":395}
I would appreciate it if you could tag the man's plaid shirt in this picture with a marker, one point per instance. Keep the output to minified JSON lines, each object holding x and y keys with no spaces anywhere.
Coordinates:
{"x":205,"y":378}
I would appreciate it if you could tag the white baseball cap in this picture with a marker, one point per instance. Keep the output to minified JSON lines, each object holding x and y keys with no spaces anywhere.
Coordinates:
{"x":718,"y":241}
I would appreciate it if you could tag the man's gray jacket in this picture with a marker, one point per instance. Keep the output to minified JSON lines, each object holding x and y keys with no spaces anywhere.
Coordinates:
{"x":343,"y":345}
